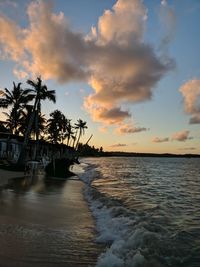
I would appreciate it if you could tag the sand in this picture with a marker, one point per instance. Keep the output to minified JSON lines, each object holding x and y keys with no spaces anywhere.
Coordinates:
{"x":46,"y":224}
{"x":6,"y":175}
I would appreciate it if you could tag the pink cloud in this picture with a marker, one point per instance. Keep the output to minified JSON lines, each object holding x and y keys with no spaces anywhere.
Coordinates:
{"x":160,"y":140}
{"x":191,"y":95}
{"x":182,"y":136}
{"x":129,"y":129}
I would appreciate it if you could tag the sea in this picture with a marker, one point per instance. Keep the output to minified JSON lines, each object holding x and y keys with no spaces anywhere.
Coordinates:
{"x":147,"y":210}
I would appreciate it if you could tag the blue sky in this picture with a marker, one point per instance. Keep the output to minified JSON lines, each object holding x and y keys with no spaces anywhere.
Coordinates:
{"x":155,"y":117}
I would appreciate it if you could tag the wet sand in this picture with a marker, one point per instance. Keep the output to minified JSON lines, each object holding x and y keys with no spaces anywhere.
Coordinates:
{"x":46,"y":224}
{"x":6,"y":175}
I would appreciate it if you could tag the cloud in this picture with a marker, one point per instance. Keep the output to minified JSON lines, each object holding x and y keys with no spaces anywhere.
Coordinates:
{"x":47,"y":46}
{"x":123,"y":23}
{"x":129,"y":129}
{"x":191,"y":95}
{"x":20,"y":74}
{"x":113,"y":58}
{"x":11,"y":39}
{"x":160,"y":140}
{"x":107,"y":115}
{"x":181,"y":136}
{"x":103,"y":129}
{"x":125,"y":69}
{"x":118,"y":145}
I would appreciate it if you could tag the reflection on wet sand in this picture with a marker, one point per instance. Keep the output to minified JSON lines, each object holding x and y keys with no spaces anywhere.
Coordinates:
{"x":46,"y":223}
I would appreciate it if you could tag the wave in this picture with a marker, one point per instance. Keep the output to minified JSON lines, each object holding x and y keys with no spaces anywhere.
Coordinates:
{"x":132,"y":237}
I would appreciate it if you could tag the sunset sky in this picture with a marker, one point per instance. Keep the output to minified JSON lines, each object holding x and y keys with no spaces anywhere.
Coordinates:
{"x":130,"y":68}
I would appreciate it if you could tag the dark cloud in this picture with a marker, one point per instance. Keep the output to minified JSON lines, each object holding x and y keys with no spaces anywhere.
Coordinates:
{"x":118,"y":145}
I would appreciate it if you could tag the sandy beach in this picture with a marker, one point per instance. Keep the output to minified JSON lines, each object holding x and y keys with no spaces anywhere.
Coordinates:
{"x":6,"y":175}
{"x":46,"y":223}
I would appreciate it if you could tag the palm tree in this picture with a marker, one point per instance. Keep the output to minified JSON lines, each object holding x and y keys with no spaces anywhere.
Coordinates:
{"x":3,"y":128}
{"x":55,"y":125}
{"x":12,"y":122}
{"x":80,"y":126}
{"x":41,"y":93}
{"x":70,"y":133}
{"x":24,"y":120}
{"x":17,"y":99}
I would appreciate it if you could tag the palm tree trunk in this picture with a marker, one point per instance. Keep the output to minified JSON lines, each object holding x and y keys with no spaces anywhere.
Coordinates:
{"x":22,"y":156}
{"x":37,"y":134}
{"x":75,"y":139}
{"x":79,"y":136}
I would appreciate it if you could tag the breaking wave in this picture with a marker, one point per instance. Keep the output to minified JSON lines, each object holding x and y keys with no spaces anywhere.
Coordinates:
{"x":144,"y":214}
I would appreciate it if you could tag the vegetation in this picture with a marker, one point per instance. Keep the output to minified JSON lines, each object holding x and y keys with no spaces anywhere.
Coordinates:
{"x":25,"y":118}
{"x":16,"y":99}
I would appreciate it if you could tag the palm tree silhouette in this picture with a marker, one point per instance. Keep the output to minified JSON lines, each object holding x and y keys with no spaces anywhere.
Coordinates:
{"x":17,"y":99}
{"x":25,"y":118}
{"x":55,"y":125}
{"x":40,"y":93}
{"x":80,"y":126}
{"x":70,"y":132}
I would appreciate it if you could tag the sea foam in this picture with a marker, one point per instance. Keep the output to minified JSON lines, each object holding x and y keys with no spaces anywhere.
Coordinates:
{"x":139,"y":213}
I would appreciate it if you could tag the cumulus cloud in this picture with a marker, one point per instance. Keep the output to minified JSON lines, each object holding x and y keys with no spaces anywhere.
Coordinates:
{"x":113,"y":58}
{"x":191,"y":95}
{"x":181,"y":136}
{"x":129,"y":129}
{"x":11,"y":39}
{"x":126,"y":69}
{"x":47,"y":46}
{"x":160,"y":140}
{"x":123,"y":23}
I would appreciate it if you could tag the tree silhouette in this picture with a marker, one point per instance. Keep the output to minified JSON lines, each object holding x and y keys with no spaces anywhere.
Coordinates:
{"x":17,"y":99}
{"x":80,"y":126}
{"x":40,"y":93}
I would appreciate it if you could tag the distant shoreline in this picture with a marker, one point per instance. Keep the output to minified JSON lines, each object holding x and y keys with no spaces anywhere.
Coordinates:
{"x":134,"y":154}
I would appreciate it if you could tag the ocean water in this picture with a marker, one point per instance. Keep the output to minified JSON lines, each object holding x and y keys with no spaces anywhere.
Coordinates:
{"x":147,"y":210}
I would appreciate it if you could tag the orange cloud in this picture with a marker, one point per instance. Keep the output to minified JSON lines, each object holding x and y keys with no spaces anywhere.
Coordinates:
{"x":124,"y":69}
{"x":129,"y":129}
{"x":106,"y":114}
{"x":191,"y":95}
{"x":11,"y":39}
{"x":123,"y":23}
{"x":160,"y":140}
{"x":181,"y":136}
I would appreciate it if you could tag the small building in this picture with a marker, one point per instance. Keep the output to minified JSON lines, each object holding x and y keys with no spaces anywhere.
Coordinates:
{"x":11,"y":145}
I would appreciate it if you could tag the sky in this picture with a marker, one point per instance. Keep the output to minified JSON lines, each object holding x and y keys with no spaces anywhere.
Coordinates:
{"x":130,"y":68}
